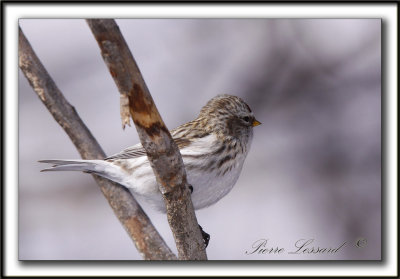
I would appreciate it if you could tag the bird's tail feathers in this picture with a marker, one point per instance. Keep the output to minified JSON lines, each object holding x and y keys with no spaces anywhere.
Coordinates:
{"x":73,"y":165}
{"x":98,"y":167}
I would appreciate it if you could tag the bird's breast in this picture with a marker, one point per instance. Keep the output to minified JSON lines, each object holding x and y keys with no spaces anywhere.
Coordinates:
{"x":212,"y":168}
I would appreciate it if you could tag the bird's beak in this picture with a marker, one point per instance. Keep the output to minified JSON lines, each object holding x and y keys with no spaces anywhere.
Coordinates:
{"x":255,"y":123}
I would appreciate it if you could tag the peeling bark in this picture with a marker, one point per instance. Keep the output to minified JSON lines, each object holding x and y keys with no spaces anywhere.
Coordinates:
{"x":162,"y":152}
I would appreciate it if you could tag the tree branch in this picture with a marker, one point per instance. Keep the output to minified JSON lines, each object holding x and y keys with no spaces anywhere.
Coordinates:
{"x":162,"y":152}
{"x":139,"y":227}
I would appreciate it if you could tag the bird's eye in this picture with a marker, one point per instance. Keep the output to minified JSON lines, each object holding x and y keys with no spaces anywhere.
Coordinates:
{"x":246,"y":118}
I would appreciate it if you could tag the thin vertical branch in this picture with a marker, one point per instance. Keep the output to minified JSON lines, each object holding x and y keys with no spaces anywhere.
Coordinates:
{"x":162,"y":152}
{"x":139,"y":227}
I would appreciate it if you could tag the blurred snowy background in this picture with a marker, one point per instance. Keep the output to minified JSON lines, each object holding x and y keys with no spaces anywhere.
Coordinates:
{"x":314,"y":170}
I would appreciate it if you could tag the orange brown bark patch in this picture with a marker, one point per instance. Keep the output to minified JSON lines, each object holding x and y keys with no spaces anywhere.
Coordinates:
{"x":143,"y":110}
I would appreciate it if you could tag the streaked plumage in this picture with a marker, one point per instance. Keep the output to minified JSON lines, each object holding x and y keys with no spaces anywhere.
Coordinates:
{"x":213,"y":148}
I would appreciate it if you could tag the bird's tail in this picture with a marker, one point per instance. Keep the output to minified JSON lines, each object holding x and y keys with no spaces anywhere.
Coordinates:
{"x":98,"y":167}
{"x":92,"y":166}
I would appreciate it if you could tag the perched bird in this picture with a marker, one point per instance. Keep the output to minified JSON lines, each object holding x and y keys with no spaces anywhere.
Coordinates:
{"x":213,"y":148}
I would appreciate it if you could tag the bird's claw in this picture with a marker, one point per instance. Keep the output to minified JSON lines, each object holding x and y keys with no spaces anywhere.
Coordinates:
{"x":206,"y":237}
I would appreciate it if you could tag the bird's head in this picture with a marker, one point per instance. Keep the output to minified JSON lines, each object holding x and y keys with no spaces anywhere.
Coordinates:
{"x":228,"y":115}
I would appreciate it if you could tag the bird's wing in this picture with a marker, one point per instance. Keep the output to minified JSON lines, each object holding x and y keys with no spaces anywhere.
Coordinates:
{"x":138,"y":150}
{"x":128,"y":153}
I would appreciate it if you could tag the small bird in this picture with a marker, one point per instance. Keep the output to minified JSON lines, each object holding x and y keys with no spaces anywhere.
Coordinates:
{"x":213,"y":148}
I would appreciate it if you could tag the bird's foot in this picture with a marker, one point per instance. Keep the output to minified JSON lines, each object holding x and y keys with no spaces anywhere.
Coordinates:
{"x":206,"y":237}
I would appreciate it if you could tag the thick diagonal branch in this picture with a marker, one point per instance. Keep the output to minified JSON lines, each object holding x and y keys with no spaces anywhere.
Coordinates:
{"x":139,"y":227}
{"x":162,"y":151}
